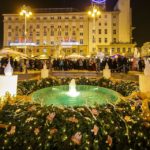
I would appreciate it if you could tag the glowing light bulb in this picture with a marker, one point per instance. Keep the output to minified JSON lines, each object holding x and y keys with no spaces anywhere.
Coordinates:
{"x":89,"y":12}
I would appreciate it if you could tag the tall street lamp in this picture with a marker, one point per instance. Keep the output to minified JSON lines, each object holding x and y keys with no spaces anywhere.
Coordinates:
{"x":26,"y":12}
{"x":94,"y":12}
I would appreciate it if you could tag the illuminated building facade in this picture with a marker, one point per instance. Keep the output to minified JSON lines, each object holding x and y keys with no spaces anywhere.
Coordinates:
{"x":58,"y":32}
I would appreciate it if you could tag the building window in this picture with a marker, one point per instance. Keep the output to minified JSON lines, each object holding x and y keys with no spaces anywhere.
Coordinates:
{"x":93,"y":31}
{"x":114,"y":31}
{"x":93,"y":40}
{"x":74,"y":33}
{"x":114,"y":24}
{"x":99,"y":31}
{"x":45,"y":18}
{"x":81,"y":41}
{"x":114,"y":40}
{"x":100,"y":40}
{"x":66,"y":26}
{"x":66,"y":17}
{"x":9,"y":18}
{"x":114,"y":16}
{"x":81,"y":33}
{"x":9,"y":27}
{"x":118,"y":50}
{"x":52,"y":33}
{"x":9,"y":33}
{"x":37,"y":33}
{"x":105,"y":31}
{"x":59,"y":33}
{"x":129,"y":50}
{"x":38,"y":42}
{"x":31,"y":33}
{"x":81,"y":17}
{"x":52,"y":42}
{"x":52,"y":18}
{"x":45,"y":33}
{"x":38,"y":26}
{"x":37,"y":18}
{"x":44,"y":50}
{"x":73,"y":50}
{"x":105,"y":23}
{"x":124,"y":50}
{"x":73,"y":17}
{"x":113,"y":50}
{"x":99,"y":24}
{"x":66,"y":33}
{"x":59,"y":17}
{"x":106,"y":50}
{"x":81,"y":26}
{"x":105,"y":40}
{"x":37,"y":50}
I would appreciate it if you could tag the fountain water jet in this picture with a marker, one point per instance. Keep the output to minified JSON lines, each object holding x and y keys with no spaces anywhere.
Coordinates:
{"x":72,"y":89}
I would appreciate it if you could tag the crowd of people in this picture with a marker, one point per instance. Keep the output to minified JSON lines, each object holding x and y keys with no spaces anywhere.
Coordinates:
{"x":119,"y":64}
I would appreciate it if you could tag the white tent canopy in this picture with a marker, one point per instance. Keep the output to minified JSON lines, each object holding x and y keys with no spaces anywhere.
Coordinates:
{"x":11,"y":52}
{"x":75,"y":56}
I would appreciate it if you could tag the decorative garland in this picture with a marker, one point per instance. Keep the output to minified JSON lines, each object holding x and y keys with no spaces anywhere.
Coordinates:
{"x":26,"y":125}
{"x":32,"y":126}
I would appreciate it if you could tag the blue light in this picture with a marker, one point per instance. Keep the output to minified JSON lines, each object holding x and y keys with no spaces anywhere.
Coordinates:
{"x":99,"y":1}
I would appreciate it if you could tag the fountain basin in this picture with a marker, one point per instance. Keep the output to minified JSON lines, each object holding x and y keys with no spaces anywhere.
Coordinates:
{"x":89,"y":95}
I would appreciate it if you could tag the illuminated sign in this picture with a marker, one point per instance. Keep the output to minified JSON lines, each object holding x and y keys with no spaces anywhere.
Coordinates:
{"x":69,"y":43}
{"x":99,"y":1}
{"x":22,"y":44}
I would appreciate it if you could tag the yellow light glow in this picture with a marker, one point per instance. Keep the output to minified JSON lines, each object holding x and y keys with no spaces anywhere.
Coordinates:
{"x":95,"y":10}
{"x":89,"y":12}
{"x":98,"y":12}
{"x":5,"y":85}
{"x":93,"y":15}
{"x":30,"y":13}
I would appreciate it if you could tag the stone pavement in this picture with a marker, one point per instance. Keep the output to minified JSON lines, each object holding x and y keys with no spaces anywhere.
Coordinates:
{"x":132,"y":75}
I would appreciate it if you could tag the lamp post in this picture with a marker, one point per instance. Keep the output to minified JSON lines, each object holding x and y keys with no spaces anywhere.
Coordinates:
{"x":94,"y":12}
{"x":26,"y":12}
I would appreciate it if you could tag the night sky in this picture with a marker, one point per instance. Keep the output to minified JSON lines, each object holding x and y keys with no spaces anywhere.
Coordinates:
{"x":140,"y":10}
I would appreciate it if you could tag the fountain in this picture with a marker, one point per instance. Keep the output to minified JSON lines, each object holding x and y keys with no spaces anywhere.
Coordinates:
{"x":72,"y":89}
{"x":75,"y":95}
